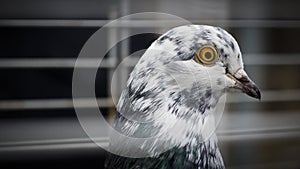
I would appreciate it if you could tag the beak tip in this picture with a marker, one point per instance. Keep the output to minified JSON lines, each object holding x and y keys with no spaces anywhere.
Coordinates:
{"x":255,"y":92}
{"x":246,"y":85}
{"x":251,"y":89}
{"x":258,"y":96}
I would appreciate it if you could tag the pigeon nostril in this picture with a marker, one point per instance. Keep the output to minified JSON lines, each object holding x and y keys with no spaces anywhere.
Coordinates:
{"x":244,"y":79}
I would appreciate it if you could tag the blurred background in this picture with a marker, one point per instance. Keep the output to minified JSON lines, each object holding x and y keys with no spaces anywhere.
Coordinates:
{"x":39,"y":44}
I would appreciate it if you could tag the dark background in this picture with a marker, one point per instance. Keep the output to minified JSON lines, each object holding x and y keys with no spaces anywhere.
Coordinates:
{"x":40,"y":41}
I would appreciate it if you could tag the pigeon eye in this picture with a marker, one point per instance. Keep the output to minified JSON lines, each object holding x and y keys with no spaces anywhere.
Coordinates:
{"x":206,"y":55}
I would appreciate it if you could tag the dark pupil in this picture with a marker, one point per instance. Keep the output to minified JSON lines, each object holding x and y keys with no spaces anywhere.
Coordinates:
{"x":207,"y":55}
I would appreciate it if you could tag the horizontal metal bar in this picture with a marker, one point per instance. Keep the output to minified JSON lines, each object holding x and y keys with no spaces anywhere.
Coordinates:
{"x":54,"y":63}
{"x":270,"y":164}
{"x":266,"y":133}
{"x":68,"y":146}
{"x":146,"y":23}
{"x":259,"y":131}
{"x":267,"y":96}
{"x":249,"y":59}
{"x":271,"y":59}
{"x":53,"y":141}
{"x":54,"y":103}
{"x":79,"y":143}
{"x":51,"y":23}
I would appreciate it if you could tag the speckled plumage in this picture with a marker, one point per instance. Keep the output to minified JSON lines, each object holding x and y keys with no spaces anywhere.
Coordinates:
{"x":170,"y":96}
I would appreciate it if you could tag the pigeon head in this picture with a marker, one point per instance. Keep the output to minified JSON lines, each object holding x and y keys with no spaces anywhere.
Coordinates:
{"x":172,"y":94}
{"x":180,"y":79}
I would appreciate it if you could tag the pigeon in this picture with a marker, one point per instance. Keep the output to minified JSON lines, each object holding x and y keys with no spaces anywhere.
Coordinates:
{"x":170,"y":97}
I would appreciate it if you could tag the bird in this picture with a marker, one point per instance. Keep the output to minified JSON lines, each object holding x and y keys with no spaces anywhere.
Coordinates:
{"x":171,"y":95}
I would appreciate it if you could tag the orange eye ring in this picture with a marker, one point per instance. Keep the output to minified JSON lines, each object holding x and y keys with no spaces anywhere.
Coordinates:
{"x":207,"y":55}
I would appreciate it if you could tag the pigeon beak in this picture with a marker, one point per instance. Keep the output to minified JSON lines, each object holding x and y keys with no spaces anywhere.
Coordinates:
{"x":245,"y":84}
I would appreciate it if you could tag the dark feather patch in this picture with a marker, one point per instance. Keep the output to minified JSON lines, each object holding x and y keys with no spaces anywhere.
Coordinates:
{"x":232,"y":46}
{"x":175,"y":158}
